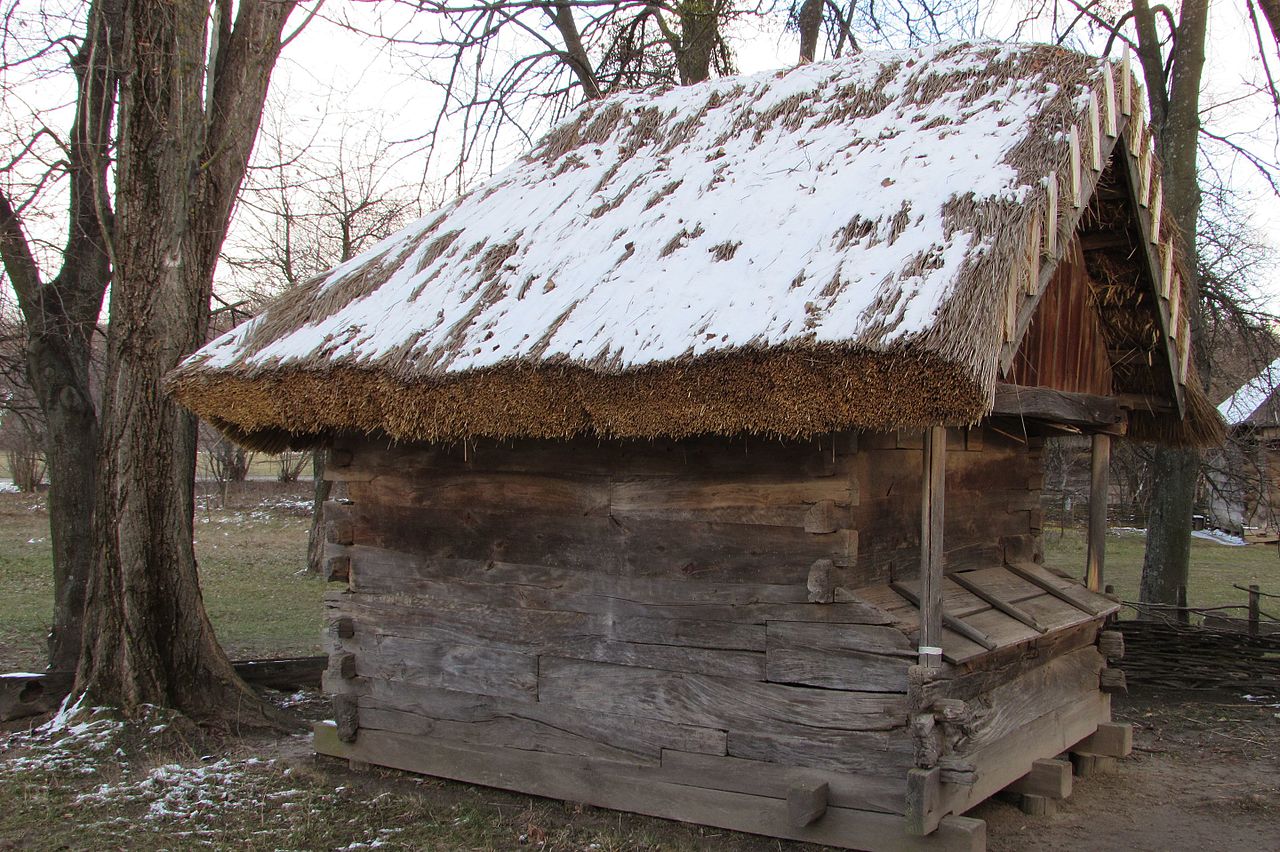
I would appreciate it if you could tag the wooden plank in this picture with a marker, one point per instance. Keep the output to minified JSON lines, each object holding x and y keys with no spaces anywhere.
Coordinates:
{"x":1013,"y":611}
{"x":622,"y":732}
{"x":1099,"y":490}
{"x":1067,"y":591}
{"x":749,"y":499}
{"x":1055,"y":406}
{"x":738,"y":775}
{"x":632,"y":547}
{"x":879,"y":754}
{"x":836,"y":669}
{"x":1109,"y":99}
{"x":949,"y":621}
{"x":933,"y":481}
{"x":706,"y":701}
{"x":641,"y":790}
{"x":681,"y":590}
{"x":466,"y":667}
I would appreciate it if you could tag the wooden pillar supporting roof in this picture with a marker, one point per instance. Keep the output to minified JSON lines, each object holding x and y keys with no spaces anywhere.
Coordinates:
{"x":931,"y":514}
{"x":1099,"y":486}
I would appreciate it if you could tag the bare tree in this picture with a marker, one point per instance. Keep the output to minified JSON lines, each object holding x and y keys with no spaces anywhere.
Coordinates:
{"x":61,"y":311}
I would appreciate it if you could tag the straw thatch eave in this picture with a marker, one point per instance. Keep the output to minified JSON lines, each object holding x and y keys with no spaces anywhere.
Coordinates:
{"x":308,"y":368}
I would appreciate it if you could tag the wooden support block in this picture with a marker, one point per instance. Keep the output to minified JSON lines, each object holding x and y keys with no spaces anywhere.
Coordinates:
{"x":1112,"y":681}
{"x":1050,"y":779}
{"x":1091,"y":764}
{"x":1112,"y":739}
{"x":1111,"y":644}
{"x":821,"y":518}
{"x":807,"y":803}
{"x":344,"y":627}
{"x":347,"y":666}
{"x":1033,"y":805}
{"x":924,"y":790}
{"x":346,"y":717}
{"x":822,"y":581}
{"x":962,"y":833}
{"x":338,"y":569}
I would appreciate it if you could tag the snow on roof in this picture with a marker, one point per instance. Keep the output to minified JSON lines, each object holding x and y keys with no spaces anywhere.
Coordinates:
{"x":1242,"y":405}
{"x":876,"y":207}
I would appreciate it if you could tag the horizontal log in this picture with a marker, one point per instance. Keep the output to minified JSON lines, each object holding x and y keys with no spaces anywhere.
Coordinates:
{"x":1099,"y":413}
{"x":712,"y":701}
{"x":642,"y":790}
{"x":646,"y":741}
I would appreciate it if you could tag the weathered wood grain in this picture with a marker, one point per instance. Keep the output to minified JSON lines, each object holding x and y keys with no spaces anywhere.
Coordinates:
{"x":646,"y":740}
{"x":470,"y":668}
{"x":641,"y":790}
{"x":734,"y":774}
{"x":886,"y":754}
{"x":706,"y":701}
{"x":838,"y":656}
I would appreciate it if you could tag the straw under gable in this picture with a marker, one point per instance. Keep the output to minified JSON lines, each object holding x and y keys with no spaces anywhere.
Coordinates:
{"x":849,"y":244}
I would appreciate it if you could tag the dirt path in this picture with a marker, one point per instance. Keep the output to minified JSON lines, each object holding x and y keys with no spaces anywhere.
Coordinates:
{"x":1205,"y":775}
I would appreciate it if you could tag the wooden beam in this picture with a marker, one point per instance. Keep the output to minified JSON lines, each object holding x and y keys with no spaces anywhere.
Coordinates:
{"x":949,"y":621}
{"x":1100,"y":413}
{"x":931,"y":515}
{"x":1007,"y":608}
{"x":1099,"y":485}
{"x":1057,"y":591}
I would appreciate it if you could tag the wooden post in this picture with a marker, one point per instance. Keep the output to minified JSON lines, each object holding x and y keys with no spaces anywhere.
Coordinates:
{"x":1184,"y":617}
{"x":1255,"y":608}
{"x":1099,"y":485}
{"x":931,"y":503}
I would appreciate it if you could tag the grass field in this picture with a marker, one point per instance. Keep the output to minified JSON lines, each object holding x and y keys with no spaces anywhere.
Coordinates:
{"x":262,"y":601}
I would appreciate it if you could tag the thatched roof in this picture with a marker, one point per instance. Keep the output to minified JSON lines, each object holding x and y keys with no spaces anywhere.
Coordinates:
{"x":846,"y":244}
{"x":1255,"y":403}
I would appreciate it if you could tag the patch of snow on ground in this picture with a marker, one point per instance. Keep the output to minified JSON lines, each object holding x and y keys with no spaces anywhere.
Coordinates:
{"x":1219,"y":537}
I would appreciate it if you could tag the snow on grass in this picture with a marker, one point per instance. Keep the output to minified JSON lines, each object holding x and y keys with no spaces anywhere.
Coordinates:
{"x":1219,"y":537}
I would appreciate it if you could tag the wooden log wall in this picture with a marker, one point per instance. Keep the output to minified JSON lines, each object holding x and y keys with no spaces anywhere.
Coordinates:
{"x":660,"y":606}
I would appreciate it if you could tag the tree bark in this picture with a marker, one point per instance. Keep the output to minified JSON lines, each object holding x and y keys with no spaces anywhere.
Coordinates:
{"x":148,"y":639}
{"x":809,"y":22}
{"x":1175,"y":107}
{"x":315,"y":534}
{"x":699,"y":36}
{"x":61,"y":316}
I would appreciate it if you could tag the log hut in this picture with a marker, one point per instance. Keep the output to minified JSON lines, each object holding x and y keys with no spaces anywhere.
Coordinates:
{"x":1244,"y":495}
{"x":693,"y":461}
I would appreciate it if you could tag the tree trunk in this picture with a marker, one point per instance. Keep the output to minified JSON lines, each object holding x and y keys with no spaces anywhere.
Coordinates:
{"x":699,"y":35}
{"x":315,"y":535}
{"x":71,"y":455}
{"x":1166,"y":563}
{"x":809,"y":22}
{"x":1175,"y":109}
{"x":148,"y":639}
